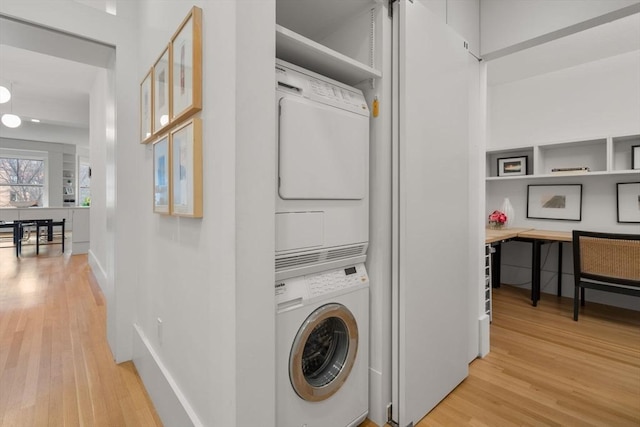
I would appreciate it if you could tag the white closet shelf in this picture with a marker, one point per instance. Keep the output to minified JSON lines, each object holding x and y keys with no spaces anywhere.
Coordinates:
{"x":299,"y":50}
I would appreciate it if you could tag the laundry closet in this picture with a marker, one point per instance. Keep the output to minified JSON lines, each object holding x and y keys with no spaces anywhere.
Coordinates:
{"x":423,"y":250}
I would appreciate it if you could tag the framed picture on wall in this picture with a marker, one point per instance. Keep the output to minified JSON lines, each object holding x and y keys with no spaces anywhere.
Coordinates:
{"x":186,"y":67}
{"x":161,"y":175}
{"x":512,"y":166}
{"x":560,"y":202}
{"x":186,"y":169}
{"x":146,"y":110}
{"x":161,"y":92}
{"x":628,"y":201}
{"x":635,"y":157}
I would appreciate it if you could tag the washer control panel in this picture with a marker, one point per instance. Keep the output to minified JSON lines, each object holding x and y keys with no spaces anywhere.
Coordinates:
{"x":318,"y":284}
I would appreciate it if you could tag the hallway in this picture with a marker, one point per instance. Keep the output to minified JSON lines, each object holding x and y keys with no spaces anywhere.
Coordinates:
{"x":55,"y":366}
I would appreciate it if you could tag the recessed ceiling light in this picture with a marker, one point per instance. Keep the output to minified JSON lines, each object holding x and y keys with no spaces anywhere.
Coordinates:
{"x":5,"y":95}
{"x":35,"y":120}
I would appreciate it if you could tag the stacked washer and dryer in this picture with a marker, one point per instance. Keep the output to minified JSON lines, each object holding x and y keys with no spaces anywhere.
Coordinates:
{"x":322,"y":222}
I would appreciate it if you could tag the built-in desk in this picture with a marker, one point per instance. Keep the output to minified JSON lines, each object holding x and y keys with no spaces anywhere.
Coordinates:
{"x":537,"y":238}
{"x":501,"y":235}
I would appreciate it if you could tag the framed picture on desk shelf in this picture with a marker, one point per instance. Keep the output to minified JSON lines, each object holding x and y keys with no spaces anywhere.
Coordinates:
{"x":560,"y":202}
{"x":628,"y":202}
{"x":512,"y":166}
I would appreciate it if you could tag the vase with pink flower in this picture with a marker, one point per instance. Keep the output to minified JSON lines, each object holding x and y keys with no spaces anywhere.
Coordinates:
{"x":497,"y":220}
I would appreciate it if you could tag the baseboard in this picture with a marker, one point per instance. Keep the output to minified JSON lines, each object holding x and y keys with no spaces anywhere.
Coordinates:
{"x":79,"y":247}
{"x":170,"y":403}
{"x":377,"y":410}
{"x":484,"y":345}
{"x":98,"y":272}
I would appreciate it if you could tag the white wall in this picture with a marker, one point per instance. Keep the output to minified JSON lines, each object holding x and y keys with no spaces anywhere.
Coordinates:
{"x":504,"y":23}
{"x":98,"y":148}
{"x":463,"y":16}
{"x":210,"y":280}
{"x":595,"y":99}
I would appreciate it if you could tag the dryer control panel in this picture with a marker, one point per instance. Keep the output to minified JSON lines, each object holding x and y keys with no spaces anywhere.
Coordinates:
{"x":297,"y":290}
{"x":294,"y":80}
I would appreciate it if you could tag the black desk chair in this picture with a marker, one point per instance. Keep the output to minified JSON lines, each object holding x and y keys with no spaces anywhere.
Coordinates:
{"x":22,"y":233}
{"x":48,"y":225}
{"x":607,"y":262}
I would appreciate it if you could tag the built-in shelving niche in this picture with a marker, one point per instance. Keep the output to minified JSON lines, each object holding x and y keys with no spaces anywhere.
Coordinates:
{"x":603,"y":156}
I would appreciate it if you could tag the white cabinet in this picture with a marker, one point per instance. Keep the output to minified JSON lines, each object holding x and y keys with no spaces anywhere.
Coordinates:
{"x":602,"y":156}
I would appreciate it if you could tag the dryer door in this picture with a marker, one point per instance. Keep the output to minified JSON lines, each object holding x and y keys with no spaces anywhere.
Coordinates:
{"x":323,"y":352}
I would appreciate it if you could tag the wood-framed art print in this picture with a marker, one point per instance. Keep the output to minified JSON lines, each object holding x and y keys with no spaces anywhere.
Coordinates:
{"x":146,"y":108}
{"x":560,"y":202}
{"x":161,"y":92}
{"x":635,"y":157}
{"x":513,"y":166}
{"x":186,"y":67}
{"x":161,"y":175}
{"x":186,"y":169}
{"x":628,"y":202}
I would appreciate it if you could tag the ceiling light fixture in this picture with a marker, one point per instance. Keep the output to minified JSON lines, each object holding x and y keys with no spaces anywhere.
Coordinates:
{"x":10,"y":120}
{"x":5,"y":95}
{"x":35,"y":120}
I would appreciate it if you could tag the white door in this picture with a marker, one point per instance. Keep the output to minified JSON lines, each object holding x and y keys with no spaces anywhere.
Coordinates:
{"x":431,"y":211}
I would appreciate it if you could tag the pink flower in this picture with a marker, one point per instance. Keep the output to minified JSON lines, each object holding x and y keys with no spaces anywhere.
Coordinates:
{"x":498,"y":217}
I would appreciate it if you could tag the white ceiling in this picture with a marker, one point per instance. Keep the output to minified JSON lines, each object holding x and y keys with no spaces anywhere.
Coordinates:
{"x":50,"y":79}
{"x":603,"y":41}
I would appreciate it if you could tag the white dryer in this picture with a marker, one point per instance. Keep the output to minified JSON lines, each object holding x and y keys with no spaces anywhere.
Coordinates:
{"x":322,"y":349}
{"x":322,"y":198}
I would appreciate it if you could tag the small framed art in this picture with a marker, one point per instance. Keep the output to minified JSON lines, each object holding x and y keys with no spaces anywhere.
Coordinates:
{"x":186,"y":66}
{"x":146,"y":110}
{"x":512,"y":166}
{"x":561,"y":202}
{"x":161,"y":178}
{"x":161,"y":92}
{"x":628,"y":201}
{"x":186,"y":169}
{"x":635,"y":157}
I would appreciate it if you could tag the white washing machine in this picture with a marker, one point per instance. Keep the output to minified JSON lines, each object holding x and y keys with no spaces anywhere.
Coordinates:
{"x":322,"y":348}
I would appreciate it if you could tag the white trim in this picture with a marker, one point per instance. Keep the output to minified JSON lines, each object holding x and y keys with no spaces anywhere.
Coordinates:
{"x":484,"y":332}
{"x":171,"y":404}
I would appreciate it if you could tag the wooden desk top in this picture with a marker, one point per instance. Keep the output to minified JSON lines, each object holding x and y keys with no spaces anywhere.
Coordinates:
{"x":492,"y":235}
{"x":558,"y":236}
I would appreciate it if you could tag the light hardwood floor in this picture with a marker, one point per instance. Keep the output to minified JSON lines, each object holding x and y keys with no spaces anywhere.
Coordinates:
{"x":55,"y":366}
{"x":543,"y":369}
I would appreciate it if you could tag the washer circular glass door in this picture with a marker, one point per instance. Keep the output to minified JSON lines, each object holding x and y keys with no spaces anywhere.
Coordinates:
{"x":323,"y":352}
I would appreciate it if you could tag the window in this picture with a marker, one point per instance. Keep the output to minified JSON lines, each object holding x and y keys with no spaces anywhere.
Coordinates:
{"x":84,"y":182}
{"x":21,"y":182}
